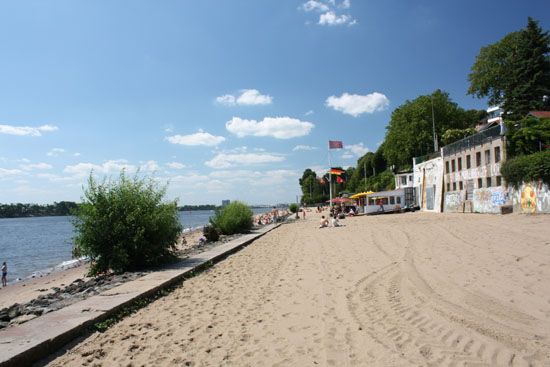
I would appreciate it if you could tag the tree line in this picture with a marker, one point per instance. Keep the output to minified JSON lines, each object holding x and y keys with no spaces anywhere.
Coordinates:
{"x":513,"y":73}
{"x":37,"y":210}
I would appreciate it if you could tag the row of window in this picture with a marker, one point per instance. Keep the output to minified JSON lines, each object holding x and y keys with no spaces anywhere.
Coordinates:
{"x":488,"y":183}
{"x":456,"y":165}
{"x":384,"y":201}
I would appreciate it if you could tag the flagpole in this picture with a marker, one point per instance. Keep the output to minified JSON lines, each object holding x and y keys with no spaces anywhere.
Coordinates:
{"x":329,"y":178}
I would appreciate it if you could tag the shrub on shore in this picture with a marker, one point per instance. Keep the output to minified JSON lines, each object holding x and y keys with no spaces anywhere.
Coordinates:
{"x":124,"y":225}
{"x":210,"y":233}
{"x":525,"y":168}
{"x":233,"y":218}
{"x":293,"y":207}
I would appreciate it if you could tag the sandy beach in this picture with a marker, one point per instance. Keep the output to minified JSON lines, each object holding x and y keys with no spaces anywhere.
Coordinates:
{"x":411,"y":289}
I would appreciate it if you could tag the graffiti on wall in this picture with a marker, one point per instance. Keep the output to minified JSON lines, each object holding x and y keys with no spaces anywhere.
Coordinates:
{"x":453,"y":201}
{"x":532,"y":197}
{"x":489,"y":200}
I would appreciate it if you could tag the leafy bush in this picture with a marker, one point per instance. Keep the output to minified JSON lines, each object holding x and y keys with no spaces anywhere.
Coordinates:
{"x":124,"y":225}
{"x":293,"y":207}
{"x":233,"y":218}
{"x":211,"y":233}
{"x":528,"y":135}
{"x":526,"y":168}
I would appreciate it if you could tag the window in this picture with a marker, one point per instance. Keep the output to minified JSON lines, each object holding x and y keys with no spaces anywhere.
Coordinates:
{"x":453,"y":165}
{"x":488,"y":181}
{"x":448,"y":186}
{"x":403,"y":180}
{"x":478,"y":159}
{"x":384,"y":201}
{"x":410,"y":178}
{"x":468,"y":162}
{"x":459,"y":163}
{"x":371,"y":201}
{"x":479,"y":183}
{"x":392,"y":200}
{"x":499,"y":181}
{"x":398,"y":199}
{"x":460,"y":186}
{"x":487,"y":156}
{"x":447,"y":167}
{"x":497,"y":155}
{"x":454,"y":186}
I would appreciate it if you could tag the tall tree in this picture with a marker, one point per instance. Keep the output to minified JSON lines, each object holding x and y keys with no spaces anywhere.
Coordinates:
{"x":515,"y":71}
{"x":410,"y":131}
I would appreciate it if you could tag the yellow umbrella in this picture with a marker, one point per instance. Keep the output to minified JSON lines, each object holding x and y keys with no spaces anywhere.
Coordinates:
{"x":361,"y":194}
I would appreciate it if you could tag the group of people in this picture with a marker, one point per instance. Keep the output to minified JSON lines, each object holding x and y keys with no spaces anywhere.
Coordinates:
{"x":333,"y":221}
{"x":273,"y":216}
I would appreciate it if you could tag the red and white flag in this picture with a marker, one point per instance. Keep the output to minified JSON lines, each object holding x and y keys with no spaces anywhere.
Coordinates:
{"x":335,"y":144}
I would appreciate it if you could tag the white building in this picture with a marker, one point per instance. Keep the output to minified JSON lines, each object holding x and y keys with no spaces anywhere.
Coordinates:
{"x":404,"y":179}
{"x":428,"y":181}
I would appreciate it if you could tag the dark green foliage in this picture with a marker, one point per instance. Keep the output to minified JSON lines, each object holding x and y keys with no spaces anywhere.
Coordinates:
{"x":313,"y":189}
{"x":18,"y":210}
{"x":211,"y":233}
{"x":124,"y":225}
{"x":515,"y":71}
{"x":293,"y":207}
{"x":233,"y":218}
{"x":529,"y":135}
{"x":532,"y":167}
{"x":197,"y":207}
{"x":452,"y":135}
{"x":410,"y":131}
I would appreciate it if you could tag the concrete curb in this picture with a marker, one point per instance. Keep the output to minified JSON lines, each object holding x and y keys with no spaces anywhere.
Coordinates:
{"x":36,"y":339}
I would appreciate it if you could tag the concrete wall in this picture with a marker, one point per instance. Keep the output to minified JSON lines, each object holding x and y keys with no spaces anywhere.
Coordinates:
{"x":428,"y":181}
{"x":454,"y":202}
{"x":532,"y":197}
{"x":489,"y":200}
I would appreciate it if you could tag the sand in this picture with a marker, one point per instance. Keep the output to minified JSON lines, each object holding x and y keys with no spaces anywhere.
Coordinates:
{"x":411,"y":289}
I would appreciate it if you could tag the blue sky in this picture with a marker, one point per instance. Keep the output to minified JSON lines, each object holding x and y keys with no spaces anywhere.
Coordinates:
{"x":225,"y":99}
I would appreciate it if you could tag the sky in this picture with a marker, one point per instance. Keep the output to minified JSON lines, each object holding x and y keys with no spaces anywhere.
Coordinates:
{"x":222,"y":99}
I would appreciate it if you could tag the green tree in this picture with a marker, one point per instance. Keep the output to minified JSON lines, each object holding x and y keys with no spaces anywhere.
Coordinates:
{"x":233,"y":218}
{"x":515,"y":71}
{"x":410,"y":134}
{"x":527,"y":136}
{"x":124,"y":225}
{"x":313,"y":188}
{"x":452,"y":135}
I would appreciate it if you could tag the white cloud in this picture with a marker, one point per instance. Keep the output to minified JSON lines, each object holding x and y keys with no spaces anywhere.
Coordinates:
{"x":33,"y":166}
{"x":247,"y":97}
{"x":303,"y":147}
{"x":226,"y":160}
{"x":149,"y":166}
{"x":175,"y":165}
{"x":345,"y":4}
{"x":76,"y":154}
{"x":199,"y":138}
{"x":250,"y":97}
{"x":355,"y":105}
{"x":26,"y":130}
{"x":331,"y":18}
{"x":226,"y":99}
{"x":355,"y":150}
{"x":310,"y":112}
{"x":314,"y":5}
{"x":108,"y":167}
{"x":277,"y":127}
{"x":5,"y":173}
{"x":55,"y":152}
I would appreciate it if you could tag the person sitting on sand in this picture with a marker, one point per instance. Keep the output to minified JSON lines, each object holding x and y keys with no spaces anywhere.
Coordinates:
{"x":351,"y":212}
{"x":335,"y":222}
{"x":323,"y":223}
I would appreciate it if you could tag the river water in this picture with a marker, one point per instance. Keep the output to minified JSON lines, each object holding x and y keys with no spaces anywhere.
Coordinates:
{"x":34,"y":246}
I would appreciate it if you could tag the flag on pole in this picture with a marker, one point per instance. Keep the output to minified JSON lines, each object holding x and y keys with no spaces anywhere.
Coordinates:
{"x":335,"y":144}
{"x":336,"y":171}
{"x":339,"y":179}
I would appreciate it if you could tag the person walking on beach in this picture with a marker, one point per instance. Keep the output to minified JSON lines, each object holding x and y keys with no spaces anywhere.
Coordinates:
{"x":4,"y":274}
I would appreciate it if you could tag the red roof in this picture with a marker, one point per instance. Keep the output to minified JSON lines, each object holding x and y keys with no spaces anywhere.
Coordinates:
{"x":540,"y":114}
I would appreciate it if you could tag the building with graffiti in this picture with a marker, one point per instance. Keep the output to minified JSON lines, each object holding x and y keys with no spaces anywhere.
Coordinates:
{"x":472,"y":180}
{"x":428,"y":181}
